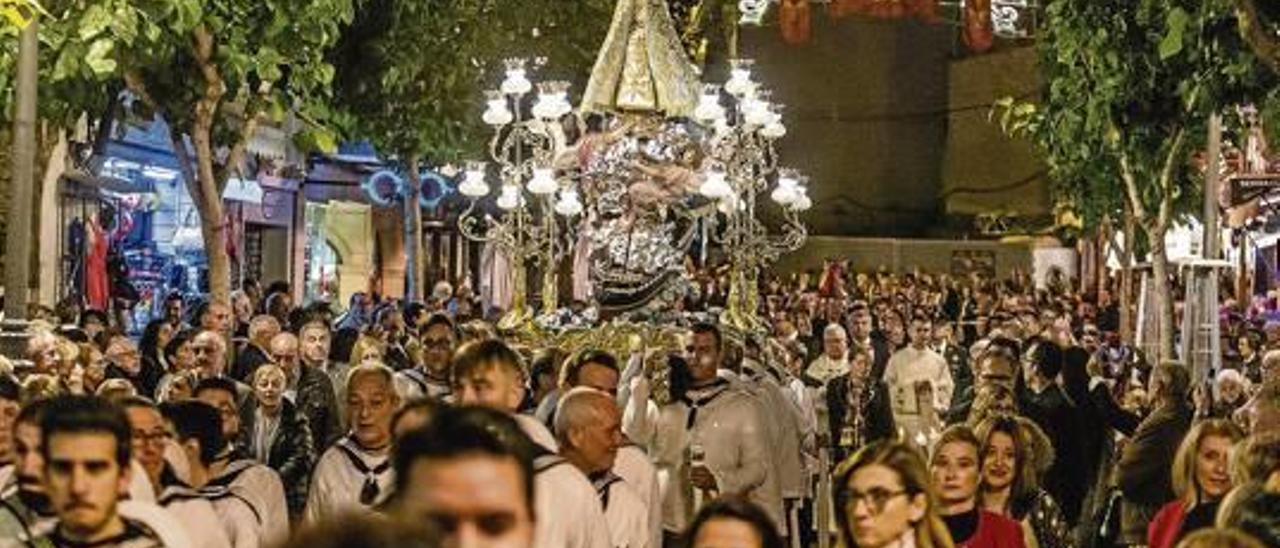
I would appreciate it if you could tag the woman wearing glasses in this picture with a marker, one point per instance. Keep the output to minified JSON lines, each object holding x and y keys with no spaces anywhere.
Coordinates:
{"x":883,"y":499}
{"x":956,"y":466}
{"x":1015,"y":456}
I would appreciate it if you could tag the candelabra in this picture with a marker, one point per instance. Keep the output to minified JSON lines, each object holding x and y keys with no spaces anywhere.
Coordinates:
{"x":530,"y":197}
{"x":742,"y":161}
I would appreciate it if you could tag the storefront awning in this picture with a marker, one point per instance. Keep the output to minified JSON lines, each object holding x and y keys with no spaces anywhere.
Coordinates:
{"x":241,"y":190}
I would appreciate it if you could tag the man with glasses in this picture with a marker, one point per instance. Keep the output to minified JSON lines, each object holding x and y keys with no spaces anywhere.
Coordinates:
{"x":310,"y":390}
{"x":150,"y":438}
{"x":430,"y":377}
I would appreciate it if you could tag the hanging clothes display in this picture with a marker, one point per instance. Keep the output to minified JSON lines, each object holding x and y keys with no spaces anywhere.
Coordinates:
{"x":97,"y":287}
{"x":73,"y":258}
{"x":979,"y":34}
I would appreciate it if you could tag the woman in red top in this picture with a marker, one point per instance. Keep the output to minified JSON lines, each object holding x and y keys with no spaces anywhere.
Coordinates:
{"x":1200,"y":480}
{"x":956,"y":466}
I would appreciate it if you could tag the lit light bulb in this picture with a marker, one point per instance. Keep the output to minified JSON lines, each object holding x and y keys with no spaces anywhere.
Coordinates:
{"x":786,"y":192}
{"x":543,"y":182}
{"x":509,"y":199}
{"x":709,"y":109}
{"x":496,"y":112}
{"x":739,"y":83}
{"x":716,"y":185}
{"x":517,"y":79}
{"x":569,"y":205}
{"x":802,"y":203}
{"x":775,"y":130}
{"x":473,"y":183}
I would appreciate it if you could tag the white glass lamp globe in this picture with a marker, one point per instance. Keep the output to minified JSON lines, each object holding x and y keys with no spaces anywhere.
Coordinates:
{"x":716,"y":185}
{"x":543,"y":182}
{"x":509,"y":199}
{"x":473,"y":183}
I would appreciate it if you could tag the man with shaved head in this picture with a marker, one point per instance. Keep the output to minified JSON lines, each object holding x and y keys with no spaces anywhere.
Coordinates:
{"x":589,"y":430}
{"x":310,"y":389}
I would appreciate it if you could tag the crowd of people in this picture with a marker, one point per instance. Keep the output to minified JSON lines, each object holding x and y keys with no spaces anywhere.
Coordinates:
{"x":879,"y":410}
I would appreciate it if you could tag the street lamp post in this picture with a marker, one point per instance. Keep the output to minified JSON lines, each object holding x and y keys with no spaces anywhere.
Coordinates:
{"x":743,"y":161}
{"x":531,"y":197}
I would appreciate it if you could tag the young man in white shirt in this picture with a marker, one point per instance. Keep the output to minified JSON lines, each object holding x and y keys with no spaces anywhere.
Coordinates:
{"x":490,"y":374}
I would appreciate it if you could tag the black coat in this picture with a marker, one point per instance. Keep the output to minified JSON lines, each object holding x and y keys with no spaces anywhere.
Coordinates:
{"x":318,"y":401}
{"x":1067,"y":478}
{"x":877,"y":421}
{"x":247,"y":362}
{"x":1144,"y":469}
{"x":292,"y":454}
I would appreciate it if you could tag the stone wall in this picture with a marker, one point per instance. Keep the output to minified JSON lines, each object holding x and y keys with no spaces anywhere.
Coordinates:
{"x":902,"y":255}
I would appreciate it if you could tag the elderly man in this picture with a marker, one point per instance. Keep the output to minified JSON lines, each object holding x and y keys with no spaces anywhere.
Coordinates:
{"x":430,"y":377}
{"x":589,"y":429}
{"x":355,"y":474}
{"x":488,"y":373}
{"x":42,"y":350}
{"x":124,"y":362}
{"x":310,"y":390}
{"x":210,"y":350}
{"x":834,"y":360}
{"x":599,"y":370}
{"x":256,"y":352}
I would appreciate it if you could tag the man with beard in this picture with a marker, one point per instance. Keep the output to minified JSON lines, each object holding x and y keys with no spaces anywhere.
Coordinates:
{"x":356,"y":474}
{"x":25,"y":502}
{"x":85,"y":446}
{"x":430,"y":378}
{"x":310,"y":390}
{"x":861,"y":334}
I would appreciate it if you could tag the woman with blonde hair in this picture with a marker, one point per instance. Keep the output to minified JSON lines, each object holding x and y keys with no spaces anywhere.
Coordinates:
{"x":367,"y":349}
{"x":955,"y":465}
{"x":1015,"y":456}
{"x":1200,"y":481}
{"x":883,"y":499}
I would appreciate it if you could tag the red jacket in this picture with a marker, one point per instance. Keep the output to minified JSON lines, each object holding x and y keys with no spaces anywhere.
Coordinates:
{"x":995,"y":531}
{"x":1163,"y":530}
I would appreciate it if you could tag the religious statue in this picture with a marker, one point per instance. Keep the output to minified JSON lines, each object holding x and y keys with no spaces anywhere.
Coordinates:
{"x":637,"y":161}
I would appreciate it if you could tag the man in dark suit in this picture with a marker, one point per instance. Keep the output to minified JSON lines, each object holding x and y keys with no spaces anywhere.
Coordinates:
{"x":1144,"y":468}
{"x":858,"y":407}
{"x":256,"y":352}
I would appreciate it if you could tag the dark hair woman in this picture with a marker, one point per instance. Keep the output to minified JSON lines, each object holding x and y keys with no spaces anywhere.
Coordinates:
{"x":732,"y":521}
{"x":1015,"y":456}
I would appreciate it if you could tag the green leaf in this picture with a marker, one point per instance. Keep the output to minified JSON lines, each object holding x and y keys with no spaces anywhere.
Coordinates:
{"x":95,"y":20}
{"x":1176,"y":26}
{"x":98,"y":58}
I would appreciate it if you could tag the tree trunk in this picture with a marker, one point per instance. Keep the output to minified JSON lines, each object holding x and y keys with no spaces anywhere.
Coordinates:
{"x":18,"y":239}
{"x":205,"y":194}
{"x":413,"y":268}
{"x":1126,"y":280}
{"x":1163,"y":293}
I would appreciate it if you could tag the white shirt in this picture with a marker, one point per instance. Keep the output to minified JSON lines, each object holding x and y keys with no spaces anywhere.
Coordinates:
{"x":628,"y":518}
{"x":567,"y":510}
{"x":824,"y":368}
{"x":336,"y":483}
{"x":734,"y":442}
{"x":260,"y":487}
{"x":162,"y":522}
{"x":241,"y":524}
{"x":908,"y":366}
{"x":412,"y":384}
{"x":537,"y":432}
{"x":195,"y":513}
{"x":641,"y":476}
